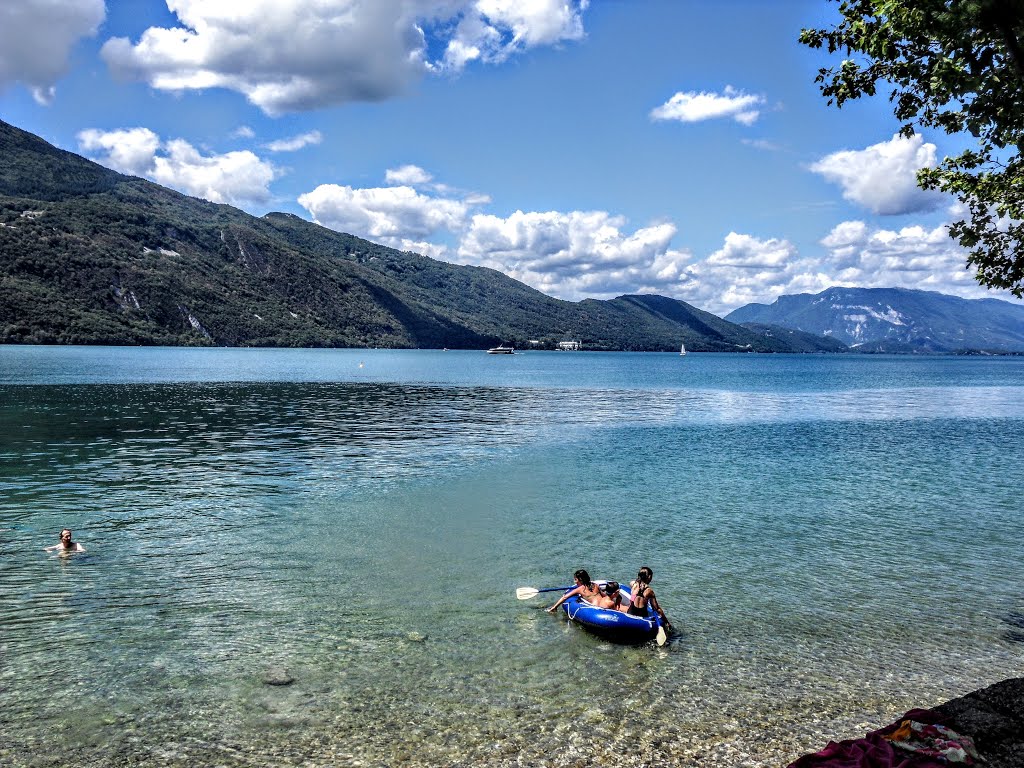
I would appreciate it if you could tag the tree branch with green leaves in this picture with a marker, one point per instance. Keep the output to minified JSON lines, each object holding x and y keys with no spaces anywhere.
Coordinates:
{"x":957,"y":66}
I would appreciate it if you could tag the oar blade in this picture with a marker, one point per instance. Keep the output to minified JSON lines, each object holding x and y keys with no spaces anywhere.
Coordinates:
{"x":525,"y":593}
{"x":661,"y":637}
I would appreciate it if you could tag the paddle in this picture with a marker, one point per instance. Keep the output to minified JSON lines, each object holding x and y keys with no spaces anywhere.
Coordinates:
{"x":661,"y":637}
{"x":525,"y":593}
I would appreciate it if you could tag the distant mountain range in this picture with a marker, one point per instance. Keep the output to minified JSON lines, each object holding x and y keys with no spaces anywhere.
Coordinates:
{"x":90,"y":256}
{"x":894,"y":320}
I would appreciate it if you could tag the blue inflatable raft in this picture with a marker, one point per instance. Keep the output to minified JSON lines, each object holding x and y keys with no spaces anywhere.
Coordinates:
{"x":617,"y":626}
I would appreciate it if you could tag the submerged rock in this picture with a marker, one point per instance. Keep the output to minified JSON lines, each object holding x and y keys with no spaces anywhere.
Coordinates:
{"x":278,"y":676}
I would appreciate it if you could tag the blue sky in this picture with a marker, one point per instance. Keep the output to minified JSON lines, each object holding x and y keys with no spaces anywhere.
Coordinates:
{"x":589,"y":149}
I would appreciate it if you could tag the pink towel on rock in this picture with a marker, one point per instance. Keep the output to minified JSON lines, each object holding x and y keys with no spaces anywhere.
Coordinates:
{"x":873,"y":750}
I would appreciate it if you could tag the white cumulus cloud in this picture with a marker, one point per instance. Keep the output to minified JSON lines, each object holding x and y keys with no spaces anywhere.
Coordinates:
{"x":295,"y":143}
{"x":407,"y":175}
{"x":747,"y":252}
{"x":911,"y":257}
{"x":883,"y":177}
{"x":695,"y":106}
{"x":130,"y":150}
{"x":579,"y":255}
{"x":399,"y":217}
{"x":292,"y":55}
{"x":233,"y":177}
{"x":575,"y":255}
{"x":749,"y":269}
{"x":36,"y":38}
{"x":493,"y":30}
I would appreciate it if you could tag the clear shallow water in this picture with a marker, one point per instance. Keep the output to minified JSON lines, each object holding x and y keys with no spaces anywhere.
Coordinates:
{"x":838,"y":538}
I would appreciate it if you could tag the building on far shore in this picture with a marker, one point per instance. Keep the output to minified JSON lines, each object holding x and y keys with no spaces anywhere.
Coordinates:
{"x":570,"y":346}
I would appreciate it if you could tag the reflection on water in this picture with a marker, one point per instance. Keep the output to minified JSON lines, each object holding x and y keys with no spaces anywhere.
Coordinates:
{"x":832,"y":556}
{"x":253,"y":434}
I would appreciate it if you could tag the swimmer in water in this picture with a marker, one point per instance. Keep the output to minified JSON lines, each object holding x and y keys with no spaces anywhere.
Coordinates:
{"x":66,"y":544}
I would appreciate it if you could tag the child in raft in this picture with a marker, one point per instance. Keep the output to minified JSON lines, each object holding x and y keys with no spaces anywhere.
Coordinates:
{"x":609,"y":597}
{"x":585,"y":588}
{"x":641,"y":594}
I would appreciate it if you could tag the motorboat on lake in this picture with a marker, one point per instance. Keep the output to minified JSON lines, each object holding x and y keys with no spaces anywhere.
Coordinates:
{"x":501,"y":349}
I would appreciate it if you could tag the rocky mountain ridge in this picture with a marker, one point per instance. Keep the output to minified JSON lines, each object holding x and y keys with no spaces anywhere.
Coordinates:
{"x":895,"y":320}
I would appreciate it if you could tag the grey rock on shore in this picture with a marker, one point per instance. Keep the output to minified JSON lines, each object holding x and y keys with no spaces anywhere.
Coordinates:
{"x":994,"y":718}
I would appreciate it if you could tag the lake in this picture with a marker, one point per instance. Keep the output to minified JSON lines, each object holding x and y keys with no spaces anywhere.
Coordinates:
{"x":836,"y":538}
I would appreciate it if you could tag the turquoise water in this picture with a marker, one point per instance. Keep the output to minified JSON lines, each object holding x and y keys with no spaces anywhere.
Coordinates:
{"x":838,"y":538}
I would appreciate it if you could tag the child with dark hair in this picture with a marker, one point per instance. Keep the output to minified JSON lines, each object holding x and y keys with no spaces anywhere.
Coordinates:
{"x":642,"y":595}
{"x":585,"y":588}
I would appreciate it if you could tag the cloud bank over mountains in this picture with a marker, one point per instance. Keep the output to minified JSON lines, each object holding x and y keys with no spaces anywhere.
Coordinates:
{"x":237,"y":177}
{"x":578,"y":254}
{"x":594,"y":254}
{"x":397,"y":216}
{"x":300,"y":55}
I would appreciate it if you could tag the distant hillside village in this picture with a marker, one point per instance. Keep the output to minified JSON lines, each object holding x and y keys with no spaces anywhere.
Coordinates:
{"x":562,"y":346}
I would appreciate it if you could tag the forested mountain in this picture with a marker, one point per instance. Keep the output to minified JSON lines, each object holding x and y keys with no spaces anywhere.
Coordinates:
{"x":90,"y":256}
{"x":895,"y":320}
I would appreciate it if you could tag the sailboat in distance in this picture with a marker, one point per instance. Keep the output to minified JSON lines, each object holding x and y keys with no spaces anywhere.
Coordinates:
{"x":682,"y":349}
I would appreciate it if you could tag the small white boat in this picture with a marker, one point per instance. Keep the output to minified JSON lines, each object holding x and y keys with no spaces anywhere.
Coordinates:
{"x":501,"y":349}
{"x":682,"y":349}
